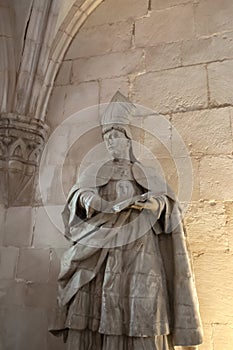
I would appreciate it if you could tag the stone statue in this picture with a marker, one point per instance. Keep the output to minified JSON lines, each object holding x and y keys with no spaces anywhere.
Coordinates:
{"x":126,"y":283}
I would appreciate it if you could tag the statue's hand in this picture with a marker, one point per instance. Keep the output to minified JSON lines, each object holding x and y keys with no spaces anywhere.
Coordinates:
{"x":150,"y":204}
{"x":91,"y":202}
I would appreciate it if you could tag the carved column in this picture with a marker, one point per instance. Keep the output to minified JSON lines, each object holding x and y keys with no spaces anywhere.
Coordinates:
{"x":22,"y":140}
{"x":27,"y":77}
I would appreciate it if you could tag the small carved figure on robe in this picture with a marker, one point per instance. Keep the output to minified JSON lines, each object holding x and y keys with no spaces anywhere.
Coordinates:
{"x":126,"y":283}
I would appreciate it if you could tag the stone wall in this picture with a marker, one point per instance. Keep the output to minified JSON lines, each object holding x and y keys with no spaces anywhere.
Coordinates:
{"x":176,"y":57}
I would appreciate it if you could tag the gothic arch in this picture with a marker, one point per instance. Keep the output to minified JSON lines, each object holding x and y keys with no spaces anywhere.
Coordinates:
{"x":71,"y":24}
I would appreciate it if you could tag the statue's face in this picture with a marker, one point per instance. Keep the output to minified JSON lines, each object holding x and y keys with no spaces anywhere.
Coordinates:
{"x":117,"y":144}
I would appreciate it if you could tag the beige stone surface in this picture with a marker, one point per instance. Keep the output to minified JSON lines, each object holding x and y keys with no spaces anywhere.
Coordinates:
{"x":55,"y":343}
{"x":204,"y":132}
{"x":64,"y":74}
{"x":161,"y":4}
{"x":162,"y":56}
{"x":12,"y":293}
{"x":56,"y":106}
{"x":220,"y":13}
{"x":94,"y":41}
{"x":213,"y":271}
{"x":220,"y":82}
{"x":85,"y":144}
{"x":177,"y":89}
{"x":107,"y":66}
{"x":215,"y":174}
{"x":186,"y":187}
{"x":8,"y":260}
{"x":56,"y":184}
{"x":208,"y":338}
{"x":18,"y":226}
{"x":54,"y":270}
{"x":5,"y":22}
{"x":108,"y":88}
{"x":229,"y":223}
{"x":33,"y":265}
{"x":223,"y":336}
{"x":46,"y":233}
{"x":163,"y":26}
{"x":57,"y":146}
{"x":41,"y":295}
{"x":207,"y":49}
{"x":69,"y":99}
{"x":157,"y":138}
{"x":80,"y":97}
{"x":115,"y":11}
{"x":23,"y":328}
{"x":206,"y":227}
{"x":2,"y":220}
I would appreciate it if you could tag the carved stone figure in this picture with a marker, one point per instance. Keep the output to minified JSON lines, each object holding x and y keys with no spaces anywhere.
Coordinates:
{"x":126,"y":283}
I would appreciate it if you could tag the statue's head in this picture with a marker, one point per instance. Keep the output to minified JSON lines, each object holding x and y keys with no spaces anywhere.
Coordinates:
{"x":116,"y":127}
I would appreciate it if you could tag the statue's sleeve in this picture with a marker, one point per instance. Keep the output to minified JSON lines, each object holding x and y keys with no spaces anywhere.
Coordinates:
{"x":82,"y":203}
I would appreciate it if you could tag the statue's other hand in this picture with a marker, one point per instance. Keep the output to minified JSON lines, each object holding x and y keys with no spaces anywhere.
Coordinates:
{"x":150,"y":204}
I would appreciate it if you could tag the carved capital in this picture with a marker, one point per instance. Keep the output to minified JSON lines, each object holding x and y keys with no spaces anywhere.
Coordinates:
{"x":22,"y":140}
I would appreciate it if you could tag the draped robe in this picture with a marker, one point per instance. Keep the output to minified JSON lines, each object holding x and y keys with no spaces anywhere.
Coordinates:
{"x":127,"y":274}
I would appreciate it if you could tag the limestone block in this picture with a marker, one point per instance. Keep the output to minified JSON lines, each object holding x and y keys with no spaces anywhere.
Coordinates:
{"x":213,"y":271}
{"x":203,"y":132}
{"x":8,"y":261}
{"x":115,"y":11}
{"x":229,"y":223}
{"x":33,"y":265}
{"x":85,"y":95}
{"x":64,"y":74}
{"x":42,"y":295}
{"x":4,"y":3}
{"x":161,"y":4}
{"x":162,"y":56}
{"x":5,"y":22}
{"x":2,"y":220}
{"x":55,"y":343}
{"x":23,"y":328}
{"x":108,"y":88}
{"x":207,"y":343}
{"x":177,"y":89}
{"x":206,"y":227}
{"x":168,"y":25}
{"x":178,"y":177}
{"x":100,"y":40}
{"x":107,"y":66}
{"x":213,"y":16}
{"x":231,"y":112}
{"x":207,"y":49}
{"x":3,"y":47}
{"x":59,"y":180}
{"x":85,"y":147}
{"x":57,"y":147}
{"x":67,"y":100}
{"x":46,"y":232}
{"x":157,"y":137}
{"x":223,"y":336}
{"x":56,"y":255}
{"x":215,"y":174}
{"x":56,"y":106}
{"x":12,"y":293}
{"x":220,"y":82}
{"x":19,"y":226}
